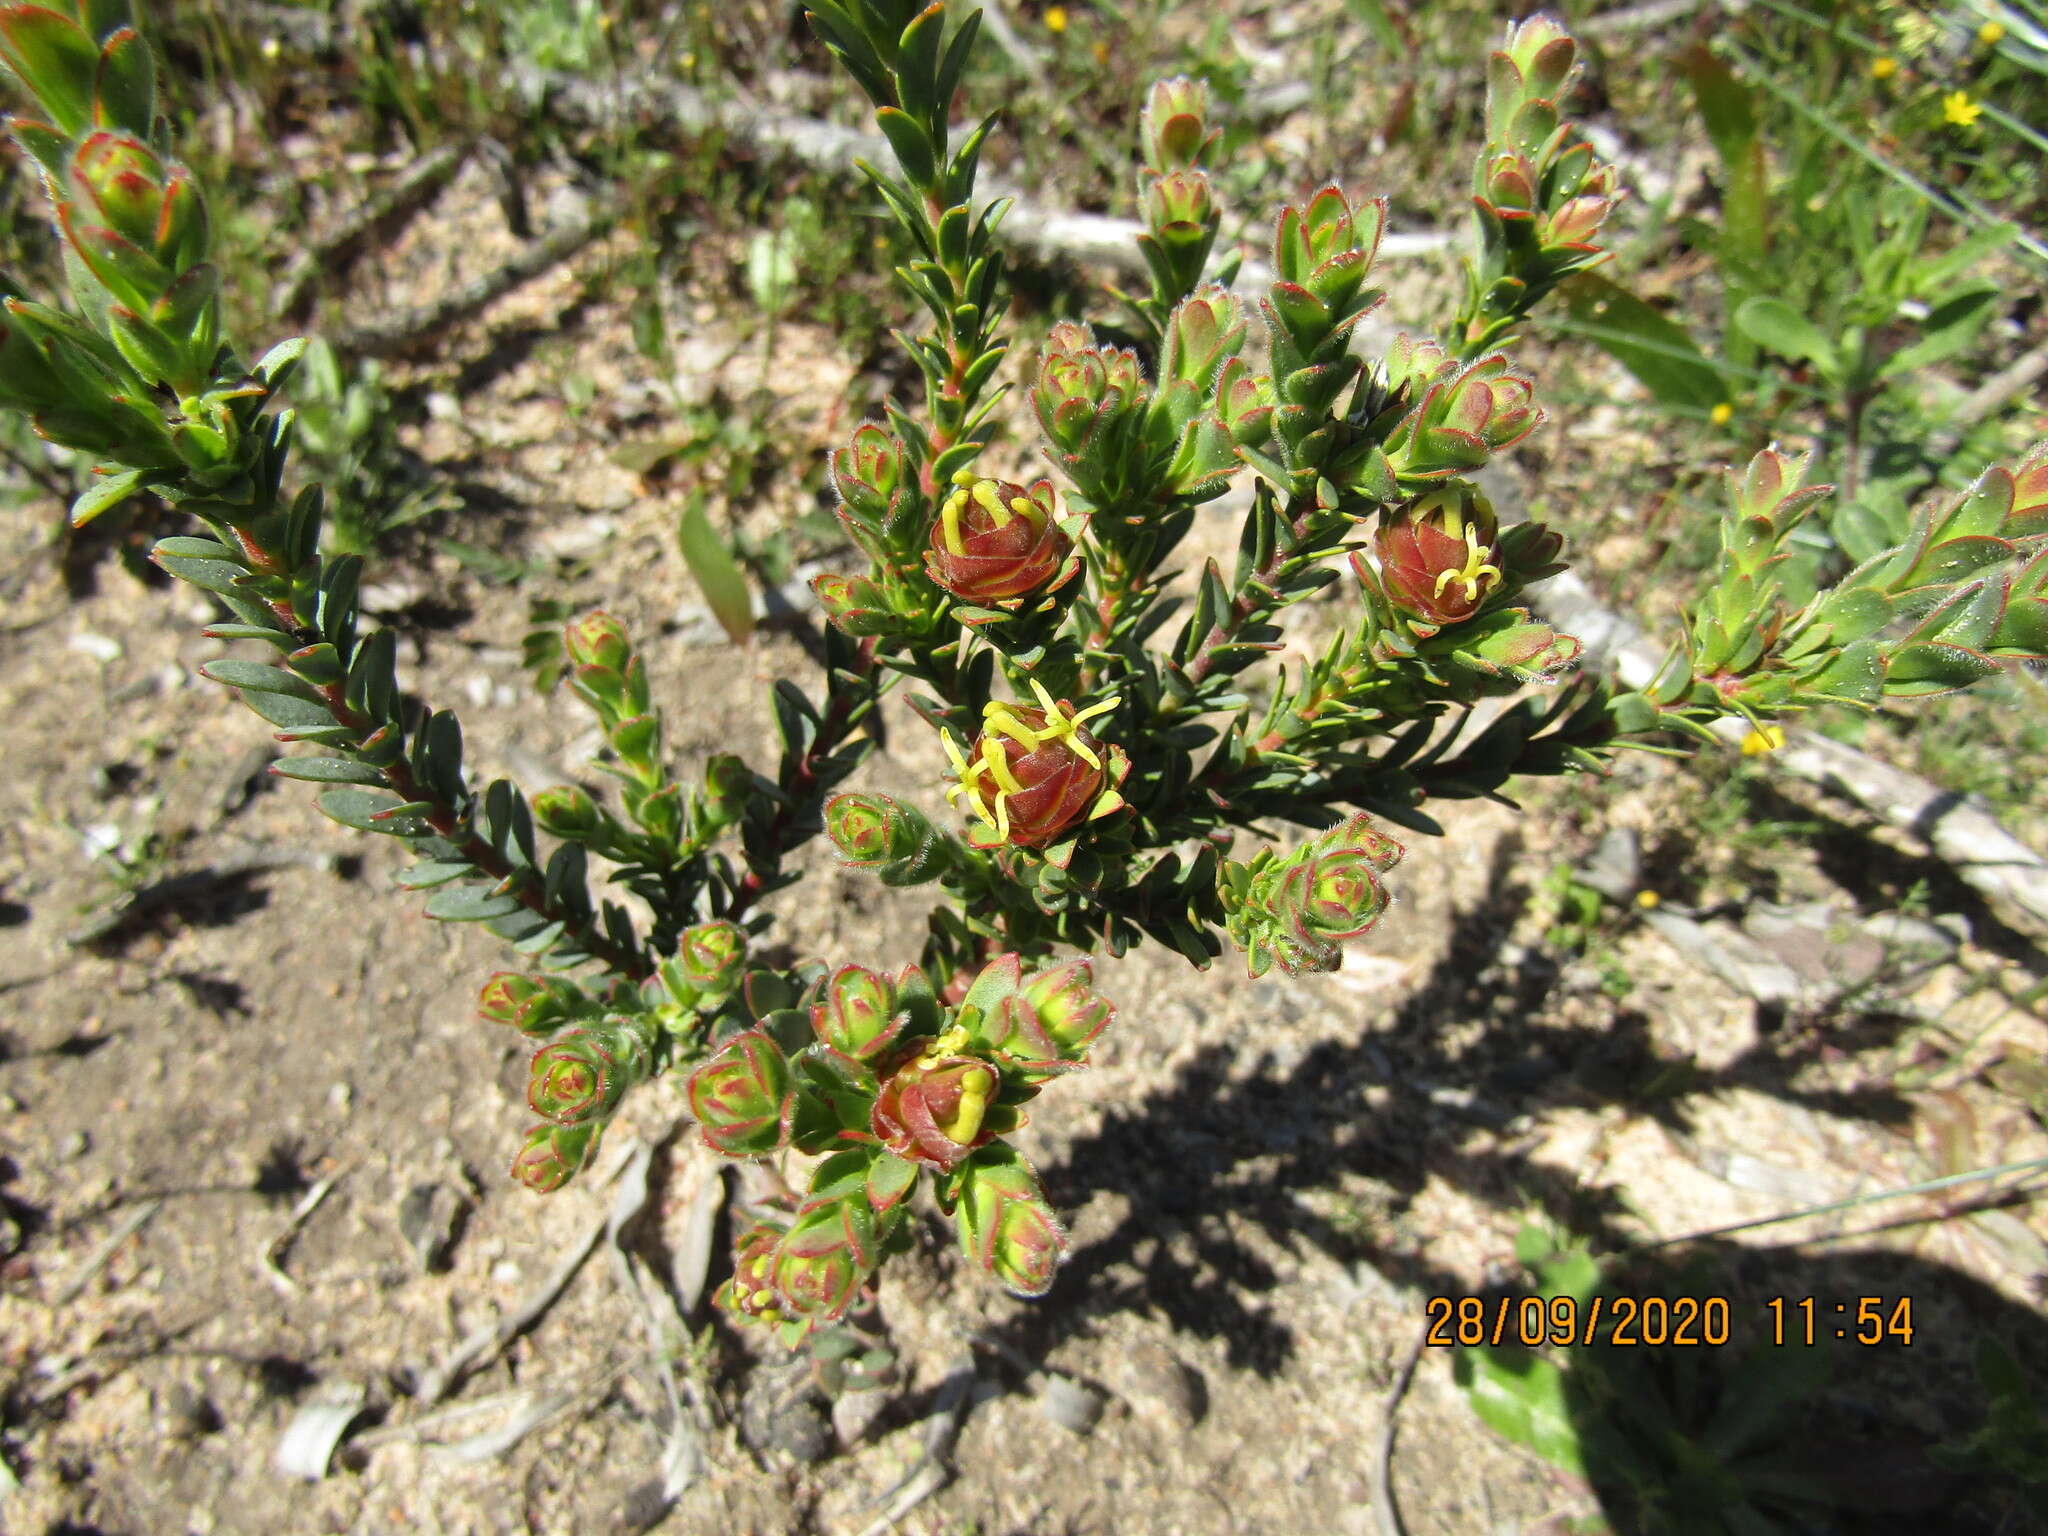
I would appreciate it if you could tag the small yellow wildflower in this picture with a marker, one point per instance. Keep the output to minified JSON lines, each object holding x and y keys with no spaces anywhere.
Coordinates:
{"x":1883,"y":67}
{"x":1957,"y":108}
{"x":1769,"y":739}
{"x":1721,"y":414}
{"x":1991,"y":34}
{"x":1056,"y":19}
{"x":1647,"y":899}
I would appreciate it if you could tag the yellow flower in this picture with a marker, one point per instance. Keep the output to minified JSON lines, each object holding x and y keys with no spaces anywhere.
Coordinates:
{"x":1957,"y":108}
{"x":1769,"y":739}
{"x":1883,"y":67}
{"x":1056,"y":19}
{"x":1647,"y":899}
{"x":1722,"y":414}
{"x":1991,"y":34}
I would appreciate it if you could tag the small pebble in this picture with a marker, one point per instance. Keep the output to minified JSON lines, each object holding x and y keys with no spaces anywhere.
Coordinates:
{"x":1070,"y":1405}
{"x":76,"y":1145}
{"x":98,"y":647}
{"x":340,"y":1097}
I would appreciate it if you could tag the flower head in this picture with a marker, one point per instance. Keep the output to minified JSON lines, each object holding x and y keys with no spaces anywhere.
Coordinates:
{"x":1439,"y":558}
{"x":1957,"y":108}
{"x":1883,"y":67}
{"x":1032,"y":773}
{"x":995,"y":542}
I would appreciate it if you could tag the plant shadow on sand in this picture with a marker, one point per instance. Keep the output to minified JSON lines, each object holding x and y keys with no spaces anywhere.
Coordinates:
{"x":1662,"y":1435}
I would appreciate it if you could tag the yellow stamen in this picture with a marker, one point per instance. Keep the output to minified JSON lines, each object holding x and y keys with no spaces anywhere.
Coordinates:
{"x":1004,"y":721}
{"x":949,"y":1042}
{"x":1475,"y":567}
{"x":985,"y":495}
{"x":949,"y":521}
{"x":998,"y":761}
{"x":976,"y":1087}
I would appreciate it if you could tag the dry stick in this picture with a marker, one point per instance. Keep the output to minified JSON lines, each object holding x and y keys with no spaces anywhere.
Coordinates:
{"x":829,"y":147}
{"x":483,"y":1344}
{"x":1386,"y":1514}
{"x":97,"y":1259}
{"x":273,"y":1251}
{"x":381,"y":337}
{"x":326,"y":255}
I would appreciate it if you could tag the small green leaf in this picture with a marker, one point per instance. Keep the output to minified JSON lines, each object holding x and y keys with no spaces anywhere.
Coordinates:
{"x":1522,"y":1397}
{"x":1658,"y":351}
{"x":1777,"y":325}
{"x":326,"y":770}
{"x":109,"y":491}
{"x":718,"y":575}
{"x":470,"y":904}
{"x":356,"y":807}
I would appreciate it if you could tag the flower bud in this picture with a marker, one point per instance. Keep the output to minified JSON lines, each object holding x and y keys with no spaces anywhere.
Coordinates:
{"x":551,"y":1155}
{"x":118,"y":181}
{"x":728,"y":786}
{"x":711,"y":956}
{"x":869,"y":471}
{"x":857,"y":1016}
{"x":934,"y":1109}
{"x":824,"y":1257}
{"x":1204,"y":329}
{"x":1296,"y":909}
{"x":533,"y":1005}
{"x":598,"y":640}
{"x":1083,"y":391}
{"x":1179,"y":207}
{"x":750,"y":1294}
{"x":1542,"y":54}
{"x":740,"y":1096}
{"x":875,"y":832}
{"x":1173,"y":130}
{"x":1005,"y":1224}
{"x":1326,"y":248}
{"x":1461,"y":419}
{"x":994,"y":542}
{"x":575,"y":1079}
{"x":1068,"y":1008}
{"x":854,"y":605}
{"x":1438,"y":556}
{"x":567,"y":812}
{"x":1032,"y":773}
{"x":1332,"y":892}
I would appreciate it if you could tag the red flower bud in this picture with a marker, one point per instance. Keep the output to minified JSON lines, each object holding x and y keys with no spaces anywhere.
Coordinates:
{"x":994,"y":542}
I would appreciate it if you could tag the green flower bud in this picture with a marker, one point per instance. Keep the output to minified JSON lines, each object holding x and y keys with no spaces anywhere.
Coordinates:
{"x":1173,"y":128}
{"x":869,"y":473}
{"x":598,"y":640}
{"x":1326,"y":249}
{"x":711,"y":956}
{"x":855,"y":605}
{"x":857,"y":1017}
{"x":825,"y":1256}
{"x":1004,"y":1222}
{"x":741,"y":1096}
{"x":567,"y":812}
{"x":551,"y":1155}
{"x":574,"y":1079}
{"x":1204,"y":329}
{"x":1179,"y":207}
{"x":728,"y":786}
{"x":1463,"y":418}
{"x":533,"y":1005}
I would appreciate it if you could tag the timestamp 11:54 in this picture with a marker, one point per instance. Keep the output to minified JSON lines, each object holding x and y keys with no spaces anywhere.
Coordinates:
{"x":1863,"y":1320}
